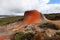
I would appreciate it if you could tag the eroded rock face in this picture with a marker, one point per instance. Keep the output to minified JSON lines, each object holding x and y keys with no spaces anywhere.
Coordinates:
{"x":32,"y":16}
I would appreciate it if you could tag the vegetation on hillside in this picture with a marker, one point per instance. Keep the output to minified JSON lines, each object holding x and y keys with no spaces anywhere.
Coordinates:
{"x":8,"y":20}
{"x":53,"y":16}
{"x":48,"y":25}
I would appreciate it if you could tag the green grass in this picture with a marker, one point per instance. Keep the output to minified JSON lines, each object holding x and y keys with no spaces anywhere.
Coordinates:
{"x":4,"y":21}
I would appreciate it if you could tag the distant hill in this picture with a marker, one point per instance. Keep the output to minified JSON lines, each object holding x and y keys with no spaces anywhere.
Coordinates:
{"x":53,"y":16}
{"x":5,"y":16}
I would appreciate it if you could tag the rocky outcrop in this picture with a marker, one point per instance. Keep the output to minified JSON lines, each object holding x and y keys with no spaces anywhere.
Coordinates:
{"x":33,"y":16}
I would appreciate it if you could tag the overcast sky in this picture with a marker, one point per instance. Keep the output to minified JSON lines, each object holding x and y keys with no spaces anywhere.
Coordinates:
{"x":18,"y":7}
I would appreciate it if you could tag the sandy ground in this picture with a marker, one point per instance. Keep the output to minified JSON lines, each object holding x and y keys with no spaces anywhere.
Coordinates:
{"x":57,"y":23}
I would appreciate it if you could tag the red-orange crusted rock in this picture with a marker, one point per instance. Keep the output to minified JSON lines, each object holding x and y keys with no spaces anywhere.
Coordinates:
{"x":32,"y":16}
{"x":3,"y":37}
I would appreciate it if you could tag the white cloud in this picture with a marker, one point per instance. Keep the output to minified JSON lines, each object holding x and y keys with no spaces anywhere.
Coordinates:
{"x":17,"y":7}
{"x":54,"y":8}
{"x":11,"y":7}
{"x":44,"y":1}
{"x":49,"y":8}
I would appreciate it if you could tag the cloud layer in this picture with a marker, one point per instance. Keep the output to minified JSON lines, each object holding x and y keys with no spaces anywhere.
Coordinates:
{"x":49,"y":8}
{"x":17,"y":7}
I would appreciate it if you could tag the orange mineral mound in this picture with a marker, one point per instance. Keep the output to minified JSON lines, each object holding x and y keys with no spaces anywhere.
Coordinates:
{"x":32,"y":16}
{"x":3,"y":37}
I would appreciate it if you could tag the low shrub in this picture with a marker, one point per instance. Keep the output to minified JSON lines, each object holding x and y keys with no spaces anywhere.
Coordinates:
{"x":23,"y":36}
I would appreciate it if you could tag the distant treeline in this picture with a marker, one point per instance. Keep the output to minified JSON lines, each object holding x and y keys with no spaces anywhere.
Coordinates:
{"x":53,"y":16}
